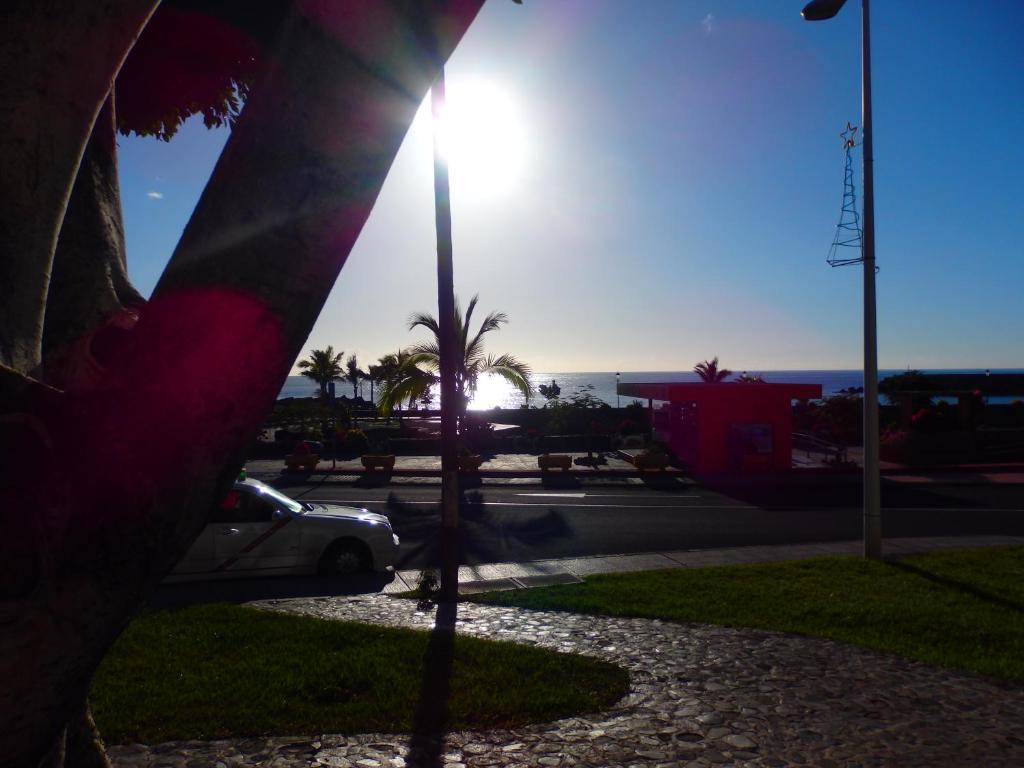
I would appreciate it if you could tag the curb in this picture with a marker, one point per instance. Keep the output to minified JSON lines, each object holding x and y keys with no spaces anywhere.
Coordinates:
{"x":493,"y":577}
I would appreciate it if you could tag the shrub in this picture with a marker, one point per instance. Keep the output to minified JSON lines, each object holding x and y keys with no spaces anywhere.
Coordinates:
{"x":428,"y":589}
{"x":476,"y":432}
{"x":355,"y":442}
{"x":931,"y":420}
{"x":892,"y":437}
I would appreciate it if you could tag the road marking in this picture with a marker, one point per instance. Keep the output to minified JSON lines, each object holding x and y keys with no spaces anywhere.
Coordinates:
{"x":532,"y":504}
{"x":556,"y":495}
{"x":680,"y":506}
{"x":612,"y":496}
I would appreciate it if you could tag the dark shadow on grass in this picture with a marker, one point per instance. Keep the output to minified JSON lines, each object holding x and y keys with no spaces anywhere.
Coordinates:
{"x":430,"y":721}
{"x":960,"y":586}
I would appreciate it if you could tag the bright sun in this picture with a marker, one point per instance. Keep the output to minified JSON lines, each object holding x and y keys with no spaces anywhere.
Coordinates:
{"x":482,"y":136}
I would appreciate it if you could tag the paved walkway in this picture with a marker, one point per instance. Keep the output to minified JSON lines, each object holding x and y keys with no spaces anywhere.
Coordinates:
{"x":700,"y":696}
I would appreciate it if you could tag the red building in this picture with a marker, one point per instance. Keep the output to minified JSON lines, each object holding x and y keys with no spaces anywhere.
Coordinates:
{"x":729,"y":427}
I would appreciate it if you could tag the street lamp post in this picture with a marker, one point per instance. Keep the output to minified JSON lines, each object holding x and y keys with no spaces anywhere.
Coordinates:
{"x":618,"y":376}
{"x":819,"y":10}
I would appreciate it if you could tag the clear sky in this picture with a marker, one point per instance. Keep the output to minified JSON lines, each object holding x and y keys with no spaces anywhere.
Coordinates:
{"x":644,"y":185}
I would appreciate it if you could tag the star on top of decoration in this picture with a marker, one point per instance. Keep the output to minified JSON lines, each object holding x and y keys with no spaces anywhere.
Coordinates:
{"x":849,"y":136}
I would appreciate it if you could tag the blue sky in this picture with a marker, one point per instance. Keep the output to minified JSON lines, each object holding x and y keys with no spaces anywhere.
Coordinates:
{"x":667,"y":184}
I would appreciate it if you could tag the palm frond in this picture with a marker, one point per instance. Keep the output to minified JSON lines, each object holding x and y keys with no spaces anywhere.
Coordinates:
{"x":462,"y":326}
{"x":492,"y":322}
{"x":426,"y":353}
{"x":515,"y":372}
{"x":424,"y":320}
{"x":410,"y":384}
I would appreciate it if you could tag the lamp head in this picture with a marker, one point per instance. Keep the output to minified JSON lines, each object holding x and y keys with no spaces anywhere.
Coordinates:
{"x":820,"y":10}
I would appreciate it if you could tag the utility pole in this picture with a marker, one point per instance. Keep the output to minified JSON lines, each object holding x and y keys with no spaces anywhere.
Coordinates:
{"x":872,"y":481}
{"x":821,"y":10}
{"x":448,"y":349}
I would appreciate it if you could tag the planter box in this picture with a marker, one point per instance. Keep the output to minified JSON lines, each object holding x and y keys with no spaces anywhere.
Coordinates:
{"x":650,"y":461}
{"x":385,"y":463}
{"x":301,"y":462}
{"x":548,"y":461}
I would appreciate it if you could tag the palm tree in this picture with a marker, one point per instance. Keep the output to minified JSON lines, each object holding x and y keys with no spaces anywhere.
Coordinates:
{"x":750,"y":378}
{"x":472,"y":362}
{"x":353,"y":375}
{"x":402,"y":380}
{"x":374,"y":376}
{"x":387,"y":367}
{"x":322,"y":366}
{"x":710,"y":373}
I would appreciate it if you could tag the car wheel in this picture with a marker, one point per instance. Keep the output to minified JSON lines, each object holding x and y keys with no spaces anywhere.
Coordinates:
{"x":344,"y":557}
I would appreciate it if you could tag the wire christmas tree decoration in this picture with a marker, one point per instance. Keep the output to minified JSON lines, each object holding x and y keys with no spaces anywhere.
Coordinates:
{"x":848,"y":232}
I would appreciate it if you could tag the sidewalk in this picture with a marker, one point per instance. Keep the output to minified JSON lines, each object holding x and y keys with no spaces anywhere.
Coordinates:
{"x":541,"y":573}
{"x":517,"y":468}
{"x":502,"y":468}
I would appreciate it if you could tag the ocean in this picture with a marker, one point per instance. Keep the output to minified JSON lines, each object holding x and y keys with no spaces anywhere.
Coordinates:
{"x":495,"y":392}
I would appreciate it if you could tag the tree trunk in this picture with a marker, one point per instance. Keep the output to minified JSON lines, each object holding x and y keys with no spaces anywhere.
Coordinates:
{"x":162,"y":431}
{"x":58,"y":61}
{"x":89,"y":283}
{"x":311,"y":152}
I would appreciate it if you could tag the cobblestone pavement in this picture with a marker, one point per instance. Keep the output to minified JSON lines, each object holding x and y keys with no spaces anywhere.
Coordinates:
{"x":700,"y":696}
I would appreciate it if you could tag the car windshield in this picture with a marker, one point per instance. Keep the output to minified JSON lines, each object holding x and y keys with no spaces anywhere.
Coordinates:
{"x":280,"y":499}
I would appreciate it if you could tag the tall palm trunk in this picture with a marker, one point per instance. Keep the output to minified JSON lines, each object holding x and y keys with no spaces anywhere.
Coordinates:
{"x":449,"y":362}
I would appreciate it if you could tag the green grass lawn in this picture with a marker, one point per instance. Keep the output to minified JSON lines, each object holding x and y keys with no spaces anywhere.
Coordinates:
{"x":956,"y":609}
{"x":216,"y":671}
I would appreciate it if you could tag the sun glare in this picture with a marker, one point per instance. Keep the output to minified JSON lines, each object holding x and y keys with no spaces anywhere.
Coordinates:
{"x":482,"y":136}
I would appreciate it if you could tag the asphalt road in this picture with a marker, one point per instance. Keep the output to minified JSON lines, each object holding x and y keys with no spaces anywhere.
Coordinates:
{"x":530,"y":522}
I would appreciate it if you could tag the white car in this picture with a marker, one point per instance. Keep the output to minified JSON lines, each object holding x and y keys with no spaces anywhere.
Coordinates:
{"x":258,"y":531}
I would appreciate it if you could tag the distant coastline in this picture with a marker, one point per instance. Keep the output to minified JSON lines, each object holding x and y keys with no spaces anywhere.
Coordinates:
{"x":494,"y":392}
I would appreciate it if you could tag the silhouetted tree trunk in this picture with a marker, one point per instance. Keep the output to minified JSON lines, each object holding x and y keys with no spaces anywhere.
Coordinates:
{"x":58,"y":61}
{"x":106,"y":481}
{"x":89,"y":284}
